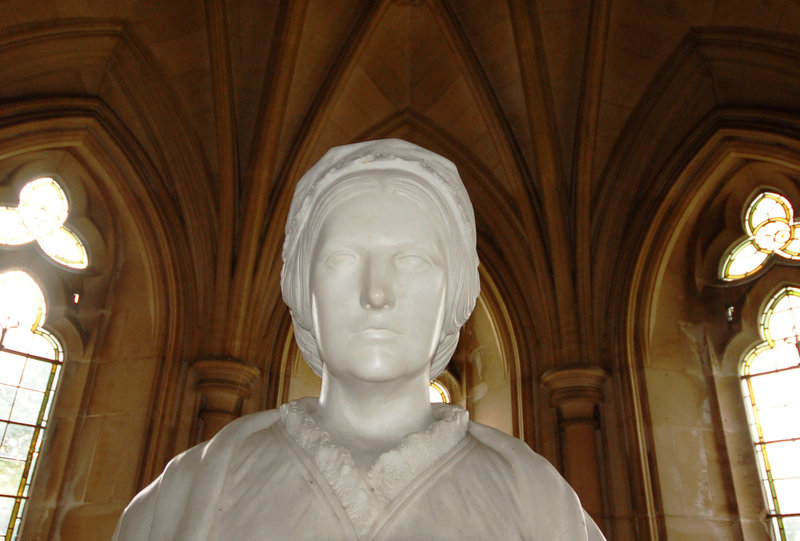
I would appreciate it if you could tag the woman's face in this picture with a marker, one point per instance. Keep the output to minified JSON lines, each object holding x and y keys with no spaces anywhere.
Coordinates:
{"x":378,"y":287}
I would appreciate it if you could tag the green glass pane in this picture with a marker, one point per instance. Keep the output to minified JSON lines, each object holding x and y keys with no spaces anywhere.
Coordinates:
{"x":6,"y":400}
{"x":10,"y":475}
{"x":26,"y":407}
{"x":791,"y":526}
{"x":36,"y":375}
{"x":771,"y":390}
{"x":6,"y":506}
{"x":17,"y":442}
{"x":780,"y":423}
{"x":788,"y":491}
{"x":11,"y":368}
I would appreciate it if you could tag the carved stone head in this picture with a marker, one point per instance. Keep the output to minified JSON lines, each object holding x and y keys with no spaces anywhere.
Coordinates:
{"x":389,"y":168}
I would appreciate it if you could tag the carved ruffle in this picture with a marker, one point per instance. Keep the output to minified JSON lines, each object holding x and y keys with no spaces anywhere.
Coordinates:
{"x":364,"y":495}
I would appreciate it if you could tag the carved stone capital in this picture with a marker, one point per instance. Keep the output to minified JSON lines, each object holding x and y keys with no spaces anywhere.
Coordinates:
{"x":575,"y":391}
{"x":224,"y":383}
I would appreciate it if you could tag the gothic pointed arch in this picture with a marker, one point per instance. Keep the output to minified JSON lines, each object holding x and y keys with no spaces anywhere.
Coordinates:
{"x":136,"y":280}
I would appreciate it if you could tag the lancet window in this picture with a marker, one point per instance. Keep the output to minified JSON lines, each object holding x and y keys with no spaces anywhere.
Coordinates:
{"x":770,"y":376}
{"x":438,"y":392}
{"x":30,"y":356}
{"x":770,"y":370}
{"x":30,"y":365}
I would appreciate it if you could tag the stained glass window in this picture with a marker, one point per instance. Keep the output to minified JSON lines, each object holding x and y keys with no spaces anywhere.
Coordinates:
{"x":30,"y":365}
{"x":770,"y":376}
{"x":40,"y":217}
{"x":438,"y":393}
{"x":770,"y":229}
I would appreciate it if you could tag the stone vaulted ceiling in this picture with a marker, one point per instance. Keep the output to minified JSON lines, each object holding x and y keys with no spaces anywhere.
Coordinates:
{"x":231,"y":101}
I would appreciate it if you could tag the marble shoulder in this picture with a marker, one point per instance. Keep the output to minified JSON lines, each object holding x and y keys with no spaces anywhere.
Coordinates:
{"x":516,"y":453}
{"x":554,"y":510}
{"x":158,"y":511}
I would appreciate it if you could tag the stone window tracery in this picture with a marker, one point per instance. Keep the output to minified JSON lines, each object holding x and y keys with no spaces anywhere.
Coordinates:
{"x":770,"y":370}
{"x":40,"y":216}
{"x":770,"y":230}
{"x":30,"y":356}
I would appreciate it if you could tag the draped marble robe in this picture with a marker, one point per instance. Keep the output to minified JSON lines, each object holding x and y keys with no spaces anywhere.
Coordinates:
{"x":276,"y":475}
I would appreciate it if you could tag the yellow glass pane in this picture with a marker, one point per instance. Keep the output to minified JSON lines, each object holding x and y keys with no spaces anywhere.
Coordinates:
{"x":743,"y":260}
{"x":765,"y":207}
{"x":43,"y":206}
{"x":22,"y":303}
{"x":12,"y":231}
{"x":792,"y":248}
{"x":772,"y":235}
{"x":760,"y":360}
{"x":438,"y":393}
{"x":782,"y":318}
{"x":6,"y":505}
{"x":64,"y":247}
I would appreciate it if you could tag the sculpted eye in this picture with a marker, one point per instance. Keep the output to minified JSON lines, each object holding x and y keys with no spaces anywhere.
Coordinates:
{"x":412,"y":261}
{"x":340,"y":258}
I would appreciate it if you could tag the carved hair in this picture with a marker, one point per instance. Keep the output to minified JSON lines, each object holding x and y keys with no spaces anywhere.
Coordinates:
{"x":401,"y":167}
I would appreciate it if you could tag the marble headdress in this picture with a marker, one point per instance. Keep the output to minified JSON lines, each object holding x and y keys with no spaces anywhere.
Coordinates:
{"x":401,"y":167}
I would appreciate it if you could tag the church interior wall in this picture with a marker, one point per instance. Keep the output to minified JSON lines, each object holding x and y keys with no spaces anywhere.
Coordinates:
{"x":608,"y":148}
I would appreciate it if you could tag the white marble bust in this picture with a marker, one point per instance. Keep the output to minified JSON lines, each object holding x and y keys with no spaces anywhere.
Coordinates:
{"x":380,"y":273}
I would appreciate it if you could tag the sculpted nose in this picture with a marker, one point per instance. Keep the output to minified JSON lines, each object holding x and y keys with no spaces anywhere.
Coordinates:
{"x":376,"y":290}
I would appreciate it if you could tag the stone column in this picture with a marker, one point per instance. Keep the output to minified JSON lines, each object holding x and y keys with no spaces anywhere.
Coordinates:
{"x":576,"y":392}
{"x":224,"y":383}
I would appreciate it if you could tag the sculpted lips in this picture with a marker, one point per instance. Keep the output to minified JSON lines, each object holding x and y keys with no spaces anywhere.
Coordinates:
{"x":378,"y":333}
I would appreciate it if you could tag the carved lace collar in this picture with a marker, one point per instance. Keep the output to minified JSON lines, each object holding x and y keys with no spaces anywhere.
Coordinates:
{"x":364,"y":495}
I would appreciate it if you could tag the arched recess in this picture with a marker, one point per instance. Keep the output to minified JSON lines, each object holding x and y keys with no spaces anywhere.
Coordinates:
{"x":104,"y":441}
{"x":686,"y":330}
{"x":718,"y":83}
{"x":510,"y":267}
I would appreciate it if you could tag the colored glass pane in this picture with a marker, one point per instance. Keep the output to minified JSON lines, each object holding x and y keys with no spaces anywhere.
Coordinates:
{"x":770,"y":380}
{"x":770,"y":228}
{"x":43,"y":206}
{"x":63,"y":246}
{"x":438,"y":393}
{"x":30,"y":359}
{"x":12,"y":230}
